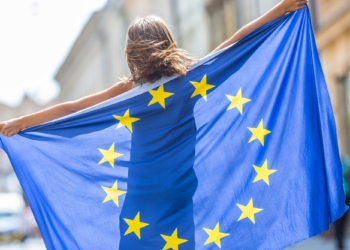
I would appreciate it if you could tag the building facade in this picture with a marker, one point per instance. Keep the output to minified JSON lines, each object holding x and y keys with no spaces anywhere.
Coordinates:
{"x":225,"y":17}
{"x":96,"y":60}
{"x":332,"y":28}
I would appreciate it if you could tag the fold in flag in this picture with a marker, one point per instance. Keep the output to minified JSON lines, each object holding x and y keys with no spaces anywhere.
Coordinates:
{"x":241,"y":153}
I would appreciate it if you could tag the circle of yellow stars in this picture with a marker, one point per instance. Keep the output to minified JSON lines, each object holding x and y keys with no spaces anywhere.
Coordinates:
{"x":159,"y":96}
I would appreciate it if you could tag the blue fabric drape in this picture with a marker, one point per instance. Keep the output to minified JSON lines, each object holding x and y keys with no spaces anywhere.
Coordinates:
{"x":240,"y":153}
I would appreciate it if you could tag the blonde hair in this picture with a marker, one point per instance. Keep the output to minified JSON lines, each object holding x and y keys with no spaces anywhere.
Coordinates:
{"x":151,"y":52}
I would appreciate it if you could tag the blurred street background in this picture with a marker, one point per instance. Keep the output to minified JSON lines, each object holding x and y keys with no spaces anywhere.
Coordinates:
{"x":54,"y":51}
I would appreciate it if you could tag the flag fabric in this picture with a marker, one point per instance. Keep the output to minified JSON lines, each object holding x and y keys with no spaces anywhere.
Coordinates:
{"x":240,"y":153}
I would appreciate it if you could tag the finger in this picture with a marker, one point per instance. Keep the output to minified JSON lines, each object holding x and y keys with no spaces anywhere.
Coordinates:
{"x":4,"y":132}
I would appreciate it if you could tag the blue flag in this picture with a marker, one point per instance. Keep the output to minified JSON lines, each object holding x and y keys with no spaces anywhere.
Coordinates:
{"x":241,"y":153}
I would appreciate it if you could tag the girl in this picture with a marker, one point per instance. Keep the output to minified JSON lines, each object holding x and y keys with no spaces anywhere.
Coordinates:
{"x":151,"y":53}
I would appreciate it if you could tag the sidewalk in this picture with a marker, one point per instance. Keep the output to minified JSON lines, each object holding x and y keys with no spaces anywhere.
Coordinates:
{"x":319,"y":243}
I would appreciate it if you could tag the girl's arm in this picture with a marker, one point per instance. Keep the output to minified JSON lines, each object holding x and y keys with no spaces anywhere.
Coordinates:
{"x":279,"y":10}
{"x":12,"y":127}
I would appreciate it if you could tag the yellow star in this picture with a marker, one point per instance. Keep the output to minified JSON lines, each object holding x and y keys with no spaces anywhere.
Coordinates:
{"x":248,"y":211}
{"x":113,"y":193}
{"x":263,"y":173}
{"x":159,"y":96}
{"x":126,"y":120}
{"x":201,"y":87}
{"x":237,"y":101}
{"x":109,"y":155}
{"x":259,"y":133}
{"x":172,"y":241}
{"x":215,"y":235}
{"x":135,"y":225}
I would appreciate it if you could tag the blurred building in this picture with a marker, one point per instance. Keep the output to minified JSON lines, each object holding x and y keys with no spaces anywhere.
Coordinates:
{"x":26,"y":107}
{"x":332,"y":27}
{"x":225,"y":17}
{"x":96,"y":61}
{"x":189,"y":26}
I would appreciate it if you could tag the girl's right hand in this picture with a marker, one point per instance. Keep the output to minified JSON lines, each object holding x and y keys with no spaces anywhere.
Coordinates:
{"x":292,"y":5}
{"x":11,"y":127}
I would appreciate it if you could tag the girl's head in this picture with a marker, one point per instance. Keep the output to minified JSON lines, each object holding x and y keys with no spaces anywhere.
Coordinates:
{"x":151,"y":51}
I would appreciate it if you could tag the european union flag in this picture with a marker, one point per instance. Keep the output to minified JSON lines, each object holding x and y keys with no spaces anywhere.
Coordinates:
{"x":241,"y":153}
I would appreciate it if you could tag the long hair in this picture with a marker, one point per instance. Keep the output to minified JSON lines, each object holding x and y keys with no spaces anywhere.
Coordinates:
{"x":151,"y":52}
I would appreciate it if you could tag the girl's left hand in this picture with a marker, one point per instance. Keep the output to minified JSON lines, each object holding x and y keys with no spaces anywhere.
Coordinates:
{"x":11,"y":127}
